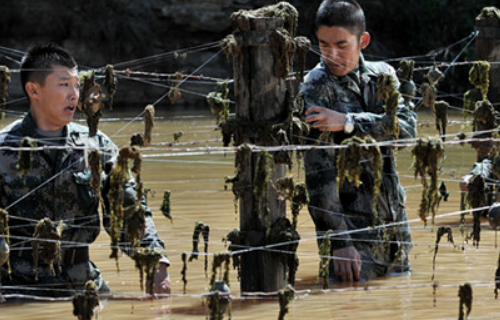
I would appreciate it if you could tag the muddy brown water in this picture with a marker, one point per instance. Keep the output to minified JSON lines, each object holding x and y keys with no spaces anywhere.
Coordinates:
{"x":197,"y":186}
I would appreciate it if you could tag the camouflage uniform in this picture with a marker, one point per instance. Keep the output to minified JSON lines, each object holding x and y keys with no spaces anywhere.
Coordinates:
{"x":346,"y":210}
{"x":60,"y":190}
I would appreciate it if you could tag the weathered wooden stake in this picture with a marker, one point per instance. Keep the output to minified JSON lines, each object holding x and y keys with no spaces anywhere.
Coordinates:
{"x":488,"y":48}
{"x":260,"y":99}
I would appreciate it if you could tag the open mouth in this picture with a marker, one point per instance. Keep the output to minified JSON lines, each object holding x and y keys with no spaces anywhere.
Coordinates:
{"x":71,"y":108}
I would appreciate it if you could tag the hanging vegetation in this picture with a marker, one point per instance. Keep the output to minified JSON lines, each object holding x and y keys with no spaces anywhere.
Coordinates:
{"x":174,"y":94}
{"x":236,"y":240}
{"x":149,"y":123}
{"x":219,"y":103}
{"x":325,"y":250}
{"x":479,"y":76}
{"x":296,"y":193}
{"x":470,"y":98}
{"x":46,"y":245}
{"x":441,"y":232}
{"x":391,"y":120}
{"x":200,"y":228}
{"x":4,"y":88}
{"x":4,"y":240}
{"x":428,"y":93}
{"x":85,"y":303}
{"x":427,"y":154}
{"x":184,"y":270}
{"x":24,"y":163}
{"x":94,"y":160}
{"x":282,"y":232}
{"x":165,"y":206}
{"x":219,"y":260}
{"x":441,"y":116}
{"x":385,"y":85}
{"x":408,"y":89}
{"x":285,"y":296}
{"x":465,"y":295}
{"x":477,"y":198}
{"x":137,"y":140}
{"x":349,"y":166}
{"x":299,"y":200}
{"x":90,"y":102}
{"x":147,"y":260}
{"x":283,"y":47}
{"x":111,"y":84}
{"x":443,"y":192}
{"x":177,"y":136}
{"x":119,"y":175}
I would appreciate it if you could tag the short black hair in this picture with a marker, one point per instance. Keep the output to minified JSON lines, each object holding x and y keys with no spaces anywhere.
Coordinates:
{"x":341,"y":13}
{"x":40,"y":60}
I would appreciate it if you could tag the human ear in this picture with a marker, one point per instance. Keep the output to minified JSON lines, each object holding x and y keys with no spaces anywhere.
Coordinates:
{"x":364,"y":40}
{"x":31,"y":89}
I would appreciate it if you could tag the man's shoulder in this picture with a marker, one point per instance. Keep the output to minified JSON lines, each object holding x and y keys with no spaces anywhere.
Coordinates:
{"x":376,"y":67}
{"x":318,"y":74}
{"x":13,"y":129}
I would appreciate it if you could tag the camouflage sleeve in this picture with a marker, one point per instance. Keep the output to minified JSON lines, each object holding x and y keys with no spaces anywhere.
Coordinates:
{"x":151,"y":238}
{"x":373,"y":124}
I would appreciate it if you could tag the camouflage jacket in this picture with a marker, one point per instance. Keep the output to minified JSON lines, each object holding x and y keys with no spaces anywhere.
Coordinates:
{"x":349,"y":208}
{"x":60,"y":191}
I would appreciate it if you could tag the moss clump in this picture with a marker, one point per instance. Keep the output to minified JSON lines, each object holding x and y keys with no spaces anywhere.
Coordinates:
{"x":85,"y":303}
{"x":219,"y":103}
{"x":440,"y":233}
{"x":427,"y":154}
{"x":408,"y":89}
{"x":94,"y":160}
{"x":349,"y":166}
{"x":90,"y":102}
{"x":200,"y":229}
{"x":285,"y":296}
{"x":465,"y":295}
{"x":111,"y":83}
{"x":441,"y":116}
{"x":165,"y":206}
{"x":5,"y":79}
{"x":149,"y":123}
{"x":479,"y":76}
{"x":147,"y":260}
{"x":4,"y":237}
{"x":46,"y":245}
{"x":325,"y":250}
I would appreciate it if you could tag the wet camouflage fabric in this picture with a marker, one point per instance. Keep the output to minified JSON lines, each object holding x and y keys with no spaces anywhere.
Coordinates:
{"x":60,"y":191}
{"x":350,"y":208}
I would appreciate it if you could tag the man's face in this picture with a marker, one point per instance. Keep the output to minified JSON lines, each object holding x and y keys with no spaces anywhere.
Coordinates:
{"x":339,"y":48}
{"x":55,"y":102}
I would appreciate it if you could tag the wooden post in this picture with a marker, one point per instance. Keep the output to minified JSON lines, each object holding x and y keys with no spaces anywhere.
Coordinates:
{"x":260,"y":99}
{"x":488,"y":48}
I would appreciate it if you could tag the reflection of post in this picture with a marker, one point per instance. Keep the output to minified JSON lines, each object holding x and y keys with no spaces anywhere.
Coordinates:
{"x":488,"y":48}
{"x":260,"y":99}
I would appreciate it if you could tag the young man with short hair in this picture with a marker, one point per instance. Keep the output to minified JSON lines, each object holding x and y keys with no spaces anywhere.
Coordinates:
{"x":57,"y":183}
{"x":339,"y":95}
